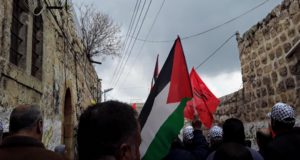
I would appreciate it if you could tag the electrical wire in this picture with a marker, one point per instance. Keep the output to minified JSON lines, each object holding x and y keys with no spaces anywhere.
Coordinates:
{"x":211,"y":55}
{"x":135,"y":11}
{"x":145,"y":15}
{"x":205,"y":31}
{"x":130,"y":40}
{"x":140,"y":51}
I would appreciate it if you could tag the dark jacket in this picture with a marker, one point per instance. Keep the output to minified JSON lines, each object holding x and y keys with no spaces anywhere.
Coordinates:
{"x":198,"y":150}
{"x":25,"y":148}
{"x":284,"y":146}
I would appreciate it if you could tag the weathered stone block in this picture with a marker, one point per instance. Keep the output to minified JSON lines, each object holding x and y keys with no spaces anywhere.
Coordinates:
{"x":244,"y":78}
{"x":271,"y":101}
{"x":252,"y":66}
{"x":266,"y":80}
{"x":290,"y":83}
{"x":272,"y":55}
{"x":281,"y":87}
{"x":281,"y":61}
{"x":258,"y":82}
{"x":246,"y":69}
{"x":259,"y":71}
{"x":253,"y":55}
{"x":298,"y":28}
{"x":298,"y":92}
{"x":279,"y":28}
{"x":286,"y":23}
{"x":287,"y":47}
{"x":283,"y":71}
{"x":295,"y":69}
{"x":264,"y":59}
{"x":268,"y":46}
{"x":263,"y":91}
{"x":294,"y":7}
{"x":258,"y":92}
{"x":284,"y":98}
{"x":261,"y":50}
{"x":257,"y":63}
{"x":278,"y":98}
{"x":248,"y":58}
{"x":276,"y":65}
{"x":273,"y":32}
{"x":295,"y":40}
{"x":283,"y":37}
{"x":268,"y":69}
{"x":275,"y":42}
{"x":291,"y":32}
{"x":274,"y":77}
{"x":279,"y":52}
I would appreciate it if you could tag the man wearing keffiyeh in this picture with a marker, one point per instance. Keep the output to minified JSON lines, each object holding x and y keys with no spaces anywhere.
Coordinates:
{"x":287,"y":137}
{"x":215,"y":137}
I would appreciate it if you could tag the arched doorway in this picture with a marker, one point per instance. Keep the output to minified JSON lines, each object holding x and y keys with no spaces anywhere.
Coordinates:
{"x":67,"y":129}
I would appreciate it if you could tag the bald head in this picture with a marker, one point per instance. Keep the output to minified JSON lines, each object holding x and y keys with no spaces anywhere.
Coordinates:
{"x":24,"y":117}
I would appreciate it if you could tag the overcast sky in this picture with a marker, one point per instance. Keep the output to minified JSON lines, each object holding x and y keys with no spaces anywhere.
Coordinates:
{"x":221,"y":73}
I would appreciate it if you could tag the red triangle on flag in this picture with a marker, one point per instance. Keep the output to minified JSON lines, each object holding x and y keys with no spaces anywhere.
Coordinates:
{"x":180,"y":86}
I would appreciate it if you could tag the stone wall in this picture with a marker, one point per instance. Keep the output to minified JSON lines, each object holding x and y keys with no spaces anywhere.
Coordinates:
{"x":269,"y":55}
{"x":66,"y":74}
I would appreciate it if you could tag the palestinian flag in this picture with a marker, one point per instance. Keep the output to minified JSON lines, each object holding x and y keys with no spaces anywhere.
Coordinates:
{"x":162,"y":117}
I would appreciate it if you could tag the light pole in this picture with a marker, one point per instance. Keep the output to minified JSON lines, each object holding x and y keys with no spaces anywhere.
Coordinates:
{"x":105,"y":91}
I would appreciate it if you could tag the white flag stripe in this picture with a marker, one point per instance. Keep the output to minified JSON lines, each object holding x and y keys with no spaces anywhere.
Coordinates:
{"x":158,"y":115}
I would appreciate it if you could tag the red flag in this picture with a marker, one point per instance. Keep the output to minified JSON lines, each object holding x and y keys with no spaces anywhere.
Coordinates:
{"x":134,"y":106}
{"x":204,"y":101}
{"x":155,"y":74}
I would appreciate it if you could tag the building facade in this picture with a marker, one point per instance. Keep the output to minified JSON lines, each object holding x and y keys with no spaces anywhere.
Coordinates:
{"x":41,"y":62}
{"x":270,"y":62}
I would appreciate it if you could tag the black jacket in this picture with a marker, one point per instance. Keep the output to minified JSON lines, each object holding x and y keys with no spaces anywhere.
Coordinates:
{"x":284,"y":146}
{"x":198,"y":150}
{"x":25,"y":148}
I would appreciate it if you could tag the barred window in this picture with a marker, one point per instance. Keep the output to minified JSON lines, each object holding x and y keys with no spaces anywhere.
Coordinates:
{"x":18,"y":34}
{"x":37,"y":47}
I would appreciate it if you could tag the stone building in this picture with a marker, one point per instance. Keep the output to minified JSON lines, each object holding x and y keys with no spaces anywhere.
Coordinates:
{"x":270,"y":61}
{"x":41,"y":62}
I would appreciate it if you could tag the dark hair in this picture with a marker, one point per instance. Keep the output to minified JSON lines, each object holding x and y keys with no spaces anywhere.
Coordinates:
{"x":281,"y":126}
{"x":233,"y":131}
{"x":103,"y":127}
{"x":24,"y":117}
{"x":233,"y":151}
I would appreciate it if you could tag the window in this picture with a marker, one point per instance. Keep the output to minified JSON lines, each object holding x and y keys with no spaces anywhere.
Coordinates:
{"x":18,"y":34}
{"x":37,"y":47}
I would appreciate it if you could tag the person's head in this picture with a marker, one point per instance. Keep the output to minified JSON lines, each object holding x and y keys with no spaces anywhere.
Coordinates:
{"x":60,"y":149}
{"x":232,"y":151}
{"x":109,"y":129}
{"x":187,"y":135}
{"x":215,"y":136}
{"x":282,"y":117}
{"x":263,"y":138}
{"x":26,"y":120}
{"x":233,"y":131}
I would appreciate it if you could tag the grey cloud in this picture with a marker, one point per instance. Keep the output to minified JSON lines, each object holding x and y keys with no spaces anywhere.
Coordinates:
{"x":183,"y":18}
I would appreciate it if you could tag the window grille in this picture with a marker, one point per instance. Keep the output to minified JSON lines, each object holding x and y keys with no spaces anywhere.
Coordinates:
{"x":37,"y":46}
{"x":17,"y":38}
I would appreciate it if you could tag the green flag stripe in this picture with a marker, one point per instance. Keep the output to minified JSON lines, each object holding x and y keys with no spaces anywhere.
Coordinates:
{"x":160,"y":145}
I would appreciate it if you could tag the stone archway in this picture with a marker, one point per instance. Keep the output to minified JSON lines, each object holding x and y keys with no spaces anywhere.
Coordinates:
{"x":67,"y":129}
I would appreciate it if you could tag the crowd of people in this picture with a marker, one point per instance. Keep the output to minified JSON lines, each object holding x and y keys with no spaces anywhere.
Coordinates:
{"x":111,"y":131}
